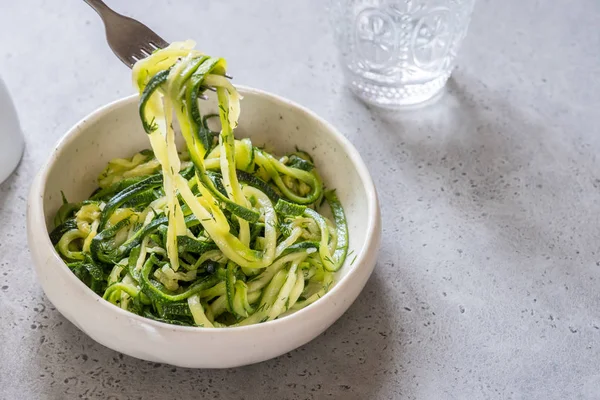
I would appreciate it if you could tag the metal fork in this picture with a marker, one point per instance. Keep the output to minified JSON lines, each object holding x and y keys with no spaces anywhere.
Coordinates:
{"x":129,"y":39}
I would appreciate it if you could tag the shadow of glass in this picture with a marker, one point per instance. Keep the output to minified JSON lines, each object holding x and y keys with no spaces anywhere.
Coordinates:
{"x":486,"y":158}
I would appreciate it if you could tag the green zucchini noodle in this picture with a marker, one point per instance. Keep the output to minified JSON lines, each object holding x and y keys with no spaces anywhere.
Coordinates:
{"x":220,"y":234}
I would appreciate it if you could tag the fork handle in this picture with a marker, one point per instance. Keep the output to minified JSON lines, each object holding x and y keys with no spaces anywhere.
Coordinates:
{"x":100,"y":7}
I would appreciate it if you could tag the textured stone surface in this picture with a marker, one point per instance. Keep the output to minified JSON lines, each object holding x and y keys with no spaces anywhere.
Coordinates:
{"x":487,"y":281}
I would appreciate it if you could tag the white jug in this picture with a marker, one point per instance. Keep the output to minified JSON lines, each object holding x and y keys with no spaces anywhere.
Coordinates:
{"x":11,"y":138}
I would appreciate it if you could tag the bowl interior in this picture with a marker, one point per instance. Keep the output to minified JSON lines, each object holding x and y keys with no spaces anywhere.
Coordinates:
{"x":116,"y":131}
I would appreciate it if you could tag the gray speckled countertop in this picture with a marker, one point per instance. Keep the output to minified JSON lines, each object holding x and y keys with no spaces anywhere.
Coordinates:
{"x":487,"y":284}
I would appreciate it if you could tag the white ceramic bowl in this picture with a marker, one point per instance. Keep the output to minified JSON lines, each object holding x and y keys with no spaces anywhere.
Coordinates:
{"x":115,"y":131}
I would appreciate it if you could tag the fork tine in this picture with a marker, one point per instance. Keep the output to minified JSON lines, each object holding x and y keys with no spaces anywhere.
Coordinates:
{"x":129,"y":39}
{"x":138,"y":55}
{"x":158,"y":42}
{"x":145,"y":51}
{"x":128,"y":59}
{"x":131,"y":62}
{"x":153,"y":46}
{"x":146,"y":47}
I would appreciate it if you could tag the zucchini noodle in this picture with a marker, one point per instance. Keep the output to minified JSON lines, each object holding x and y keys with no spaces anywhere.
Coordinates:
{"x":221,"y":234}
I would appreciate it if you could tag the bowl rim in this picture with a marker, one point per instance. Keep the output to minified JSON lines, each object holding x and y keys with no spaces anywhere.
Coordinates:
{"x":36,"y":202}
